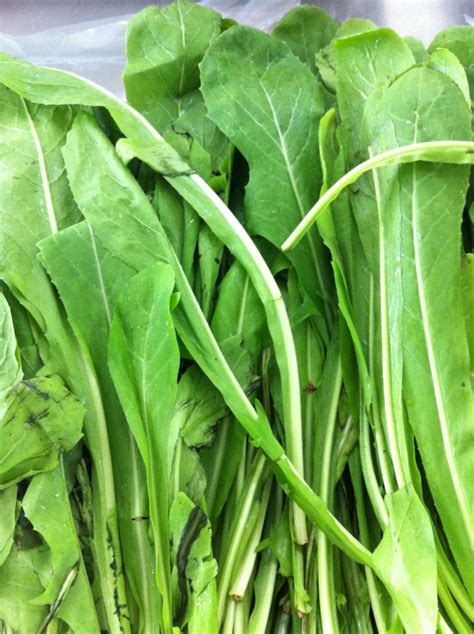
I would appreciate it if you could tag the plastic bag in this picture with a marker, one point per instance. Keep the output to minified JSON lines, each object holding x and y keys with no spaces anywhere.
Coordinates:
{"x":96,"y":49}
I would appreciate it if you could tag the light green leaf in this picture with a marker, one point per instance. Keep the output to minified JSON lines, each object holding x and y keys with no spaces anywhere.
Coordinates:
{"x":164,"y":48}
{"x":196,"y":569}
{"x":31,"y":137}
{"x":365,"y":62}
{"x":406,"y":561}
{"x":47,"y":507}
{"x":306,"y":30}
{"x":20,"y":583}
{"x":10,"y":370}
{"x":446,"y":62}
{"x":8,"y":519}
{"x":269,"y":105}
{"x":326,"y":57}
{"x":436,"y":379}
{"x":42,"y":420}
{"x":89,"y":279}
{"x":38,"y":186}
{"x":239,"y":311}
{"x":144,"y":361}
{"x":199,"y":407}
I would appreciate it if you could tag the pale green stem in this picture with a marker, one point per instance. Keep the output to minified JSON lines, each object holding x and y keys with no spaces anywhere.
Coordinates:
{"x":237,"y":533}
{"x":327,"y":599}
{"x":245,"y":569}
{"x":457,"y":152}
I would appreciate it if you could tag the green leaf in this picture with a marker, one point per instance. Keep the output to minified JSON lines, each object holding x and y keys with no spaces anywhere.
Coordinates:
{"x":33,"y":430}
{"x":38,"y":185}
{"x":132,"y":232}
{"x":34,"y":177}
{"x":196,"y":569}
{"x":417,"y":48}
{"x":20,"y":583}
{"x":436,"y":380}
{"x":446,"y":62}
{"x":89,"y":279}
{"x":199,"y":407}
{"x":8,"y":519}
{"x":164,"y":48}
{"x":306,"y":30}
{"x":144,"y":360}
{"x":47,"y":507}
{"x":326,"y":57}
{"x":239,"y":311}
{"x":269,"y":105}
{"x":10,"y":370}
{"x":406,"y":561}
{"x":365,"y":62}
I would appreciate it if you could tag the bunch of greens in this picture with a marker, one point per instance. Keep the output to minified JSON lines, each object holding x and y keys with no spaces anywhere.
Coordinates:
{"x":235,"y":389}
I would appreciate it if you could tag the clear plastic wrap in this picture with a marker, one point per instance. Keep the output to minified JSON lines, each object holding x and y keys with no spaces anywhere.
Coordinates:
{"x":96,"y":48}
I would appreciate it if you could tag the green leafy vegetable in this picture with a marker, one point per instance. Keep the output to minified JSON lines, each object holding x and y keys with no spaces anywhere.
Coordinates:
{"x":235,"y":333}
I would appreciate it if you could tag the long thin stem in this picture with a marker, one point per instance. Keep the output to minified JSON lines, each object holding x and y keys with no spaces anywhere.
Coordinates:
{"x":456,"y":152}
{"x":326,"y":586}
{"x":242,"y":515}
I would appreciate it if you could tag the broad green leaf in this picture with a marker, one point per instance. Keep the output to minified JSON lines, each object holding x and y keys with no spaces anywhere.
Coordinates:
{"x":10,"y":370}
{"x":306,"y":30}
{"x":326,"y":57}
{"x":19,"y":584}
{"x":132,"y":232}
{"x":405,"y":559}
{"x":460,"y":41}
{"x":57,"y":86}
{"x":33,"y":175}
{"x":238,"y":311}
{"x":144,"y":361}
{"x":196,"y":569}
{"x":8,"y":519}
{"x":89,"y":280}
{"x":42,"y":419}
{"x":210,"y":251}
{"x":436,"y":359}
{"x":40,"y":183}
{"x":269,"y":105}
{"x":47,"y":507}
{"x":417,"y":48}
{"x":365,"y":62}
{"x":164,"y":48}
{"x":195,"y":122}
{"x":199,"y":407}
{"x":446,"y":62}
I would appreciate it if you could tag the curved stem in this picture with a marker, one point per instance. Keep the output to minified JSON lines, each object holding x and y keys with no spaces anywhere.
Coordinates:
{"x":457,"y":152}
